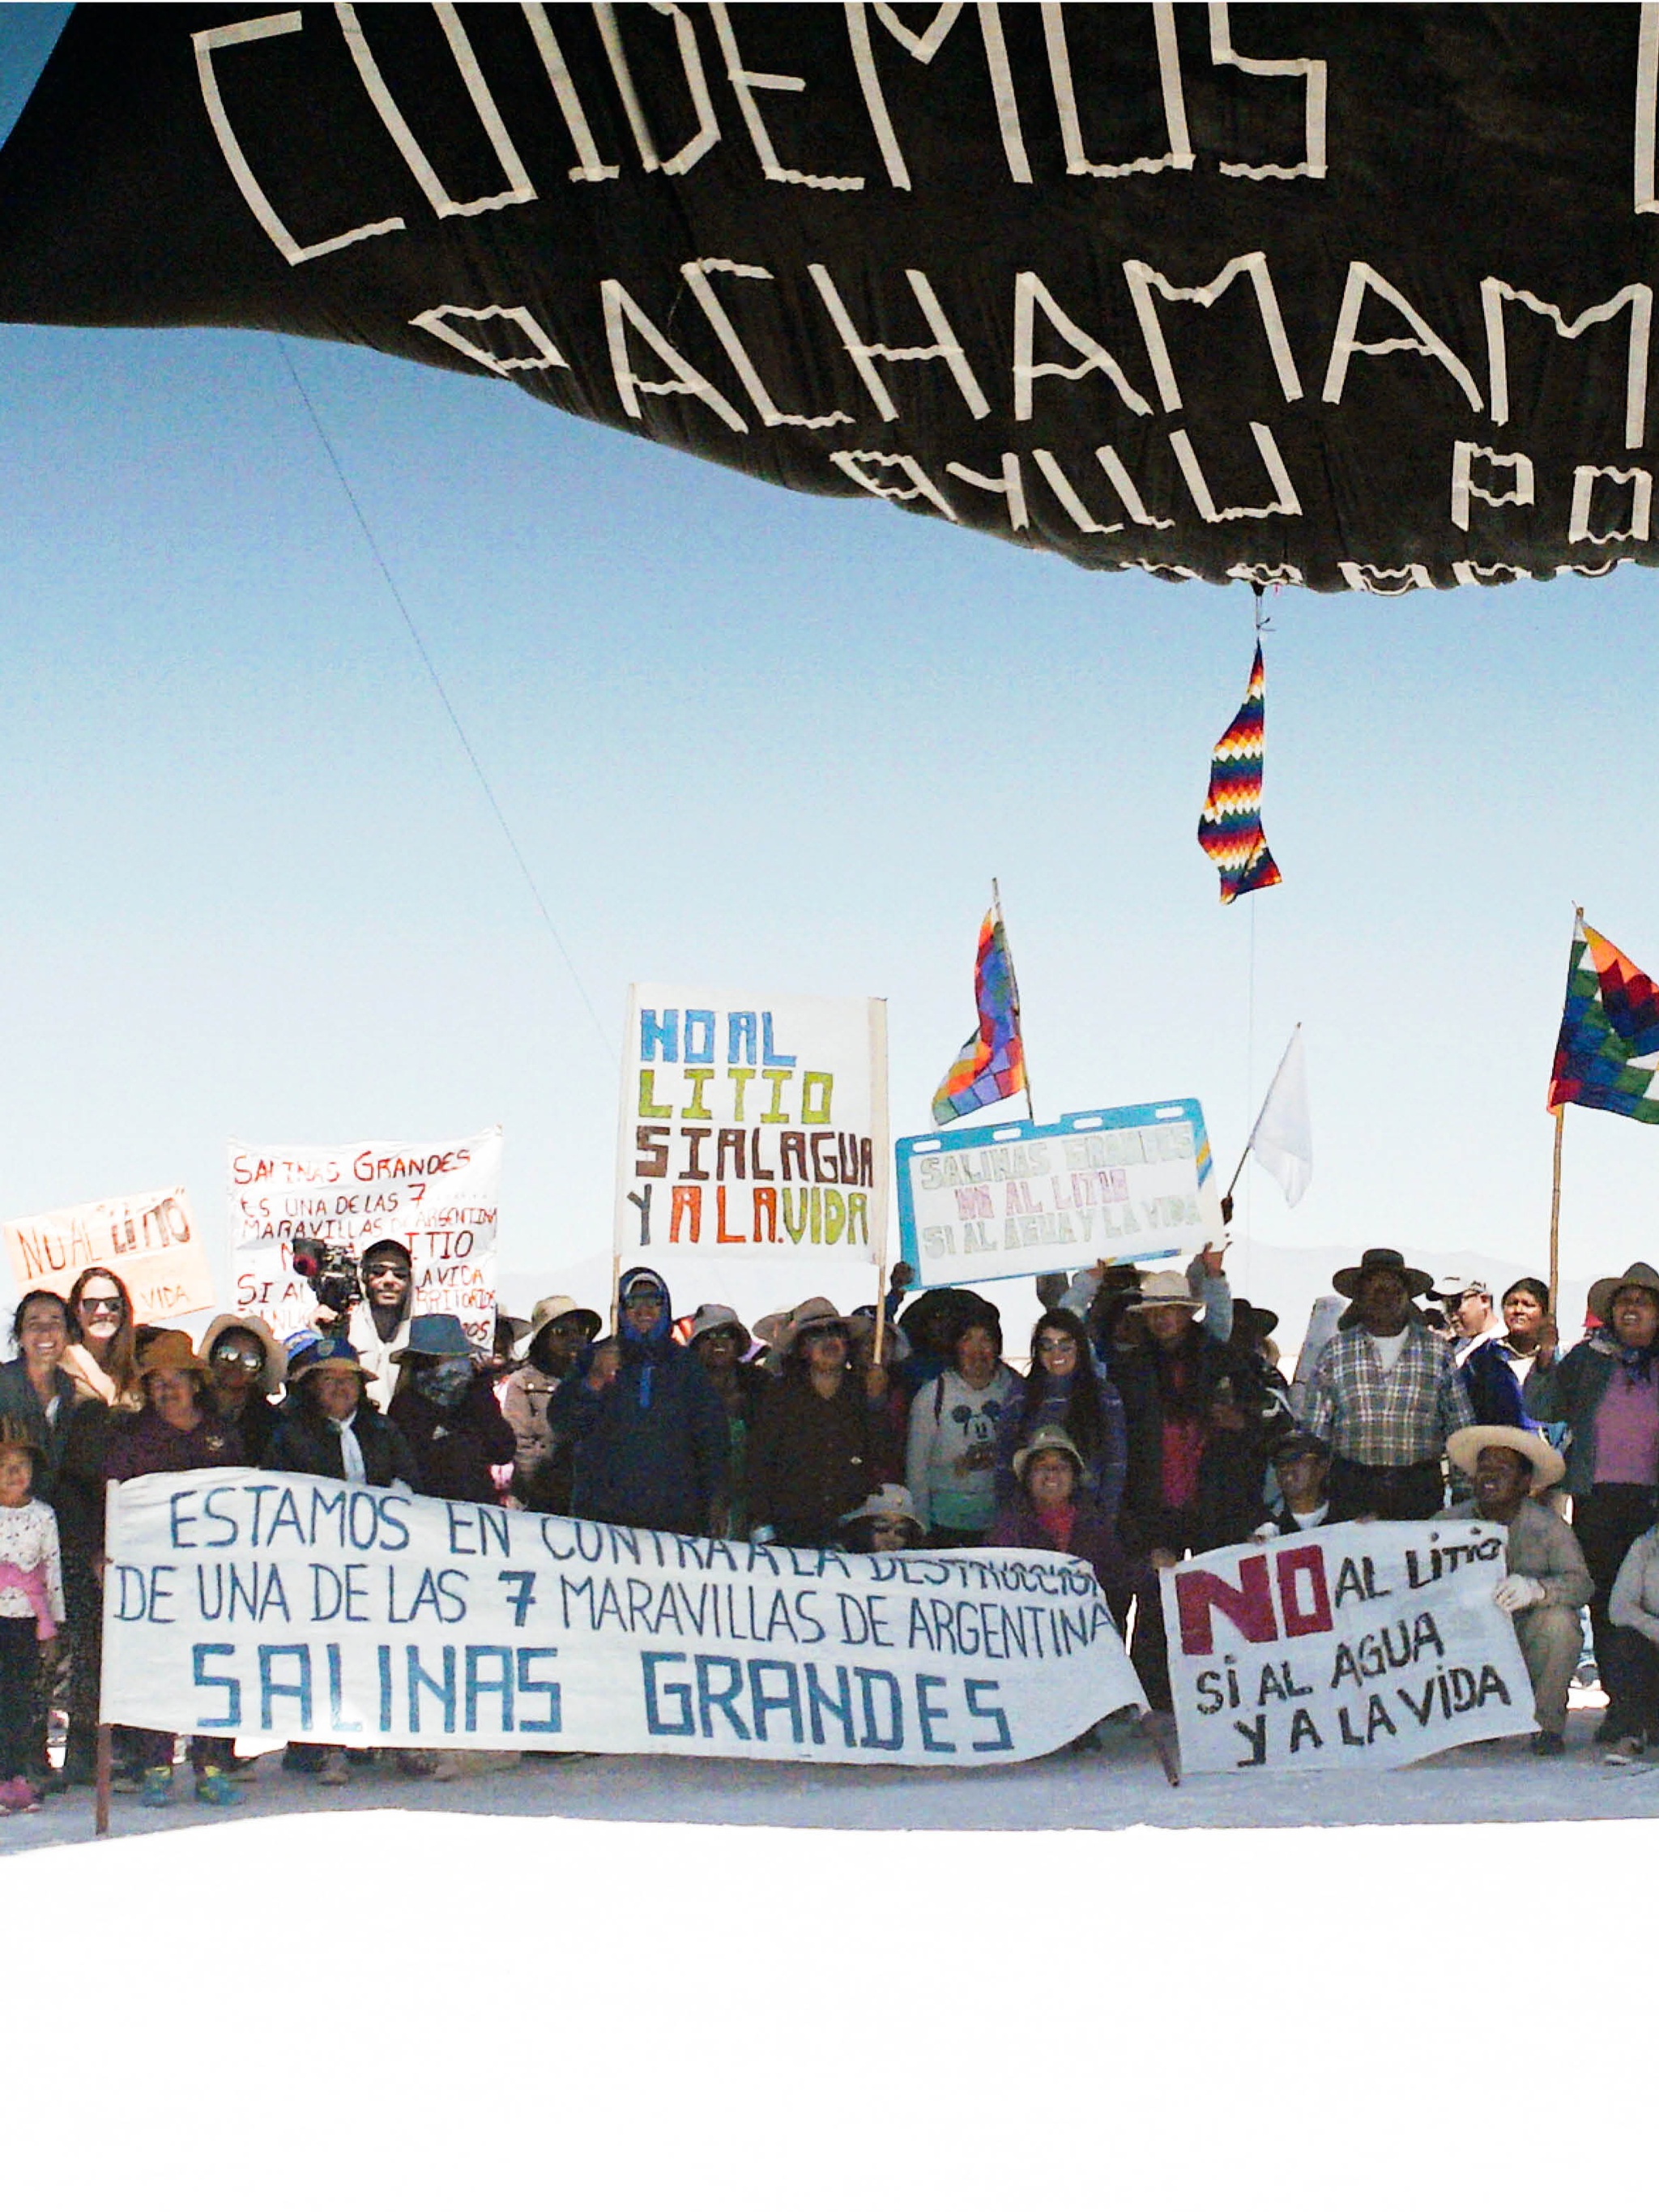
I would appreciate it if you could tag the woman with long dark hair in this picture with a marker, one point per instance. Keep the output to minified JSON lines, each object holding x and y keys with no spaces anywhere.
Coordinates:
{"x":1495,"y":1373}
{"x":1067,"y":1387}
{"x":102,"y":1356}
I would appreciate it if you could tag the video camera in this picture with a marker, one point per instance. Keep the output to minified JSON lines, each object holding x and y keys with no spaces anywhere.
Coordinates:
{"x":331,"y":1271}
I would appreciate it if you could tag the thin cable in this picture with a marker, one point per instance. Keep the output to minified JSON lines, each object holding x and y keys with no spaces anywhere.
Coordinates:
{"x":444,"y":698}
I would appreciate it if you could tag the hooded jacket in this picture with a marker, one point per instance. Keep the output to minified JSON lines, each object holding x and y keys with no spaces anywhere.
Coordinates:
{"x":651,"y":1446}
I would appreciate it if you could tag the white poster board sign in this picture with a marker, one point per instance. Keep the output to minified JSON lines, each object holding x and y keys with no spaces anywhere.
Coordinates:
{"x":752,"y":1126}
{"x":1367,"y":1644}
{"x":1023,"y":1198}
{"x":442,"y":1200}
{"x":286,"y":1606}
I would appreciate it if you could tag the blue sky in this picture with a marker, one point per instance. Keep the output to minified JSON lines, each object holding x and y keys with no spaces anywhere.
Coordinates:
{"x":745,"y":738}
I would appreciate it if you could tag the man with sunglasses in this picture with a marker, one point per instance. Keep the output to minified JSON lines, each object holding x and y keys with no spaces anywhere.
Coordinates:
{"x":378,"y":1329}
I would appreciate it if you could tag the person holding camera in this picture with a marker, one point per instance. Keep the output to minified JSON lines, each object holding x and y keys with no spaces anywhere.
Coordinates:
{"x":371,"y":1306}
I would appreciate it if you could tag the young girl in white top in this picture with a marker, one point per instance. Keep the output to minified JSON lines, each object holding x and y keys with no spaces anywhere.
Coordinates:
{"x":31,"y":1612}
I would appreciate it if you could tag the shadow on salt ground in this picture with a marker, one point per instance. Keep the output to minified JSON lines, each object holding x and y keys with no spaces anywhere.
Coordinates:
{"x":1120,"y":1787}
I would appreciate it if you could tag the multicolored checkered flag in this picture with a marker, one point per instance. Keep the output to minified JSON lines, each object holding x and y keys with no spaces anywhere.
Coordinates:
{"x":1607,"y":1052}
{"x":1229,"y":828}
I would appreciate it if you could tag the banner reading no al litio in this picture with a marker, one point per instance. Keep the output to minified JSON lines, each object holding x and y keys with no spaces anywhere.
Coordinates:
{"x":289,"y":1606}
{"x":149,"y":1240}
{"x":1366,"y":1644}
{"x":442,"y":1200}
{"x":752,"y":1126}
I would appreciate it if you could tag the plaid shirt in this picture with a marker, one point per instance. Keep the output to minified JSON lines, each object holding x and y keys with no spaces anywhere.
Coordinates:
{"x":1399,"y":1419}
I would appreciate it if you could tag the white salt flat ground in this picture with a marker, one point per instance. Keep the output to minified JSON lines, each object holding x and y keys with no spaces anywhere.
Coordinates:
{"x":658,"y":1982}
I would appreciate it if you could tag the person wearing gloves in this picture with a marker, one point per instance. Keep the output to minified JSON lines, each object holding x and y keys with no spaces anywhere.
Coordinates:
{"x":1545,"y":1581}
{"x":651,"y":1438}
{"x":445,"y":1407}
{"x":1633,"y":1614}
{"x":544,"y":1460}
{"x":950,"y":1458}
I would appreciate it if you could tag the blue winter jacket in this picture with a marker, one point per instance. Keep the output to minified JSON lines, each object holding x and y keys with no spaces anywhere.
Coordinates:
{"x":652,"y":1448}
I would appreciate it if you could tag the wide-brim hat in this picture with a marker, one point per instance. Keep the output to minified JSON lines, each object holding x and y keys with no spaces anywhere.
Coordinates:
{"x":1465,"y":1446}
{"x":546,"y":1311}
{"x":1257,"y":1319}
{"x":325,"y":1355}
{"x":893,"y":1498}
{"x":170,"y":1351}
{"x":1376,"y":1260}
{"x":1165,"y":1287}
{"x":274,"y":1373}
{"x":816,"y":1313}
{"x":1052,"y":1438}
{"x":709,"y":1319}
{"x":1638,"y":1276}
{"x":435,"y":1336}
{"x":948,"y":1307}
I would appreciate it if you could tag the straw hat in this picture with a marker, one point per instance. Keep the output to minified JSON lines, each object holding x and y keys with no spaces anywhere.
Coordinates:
{"x":546,"y":1311}
{"x":1165,"y":1287}
{"x":893,"y":1498}
{"x":274,"y":1373}
{"x":1465,"y":1446}
{"x":170,"y":1351}
{"x":1050,"y":1439}
{"x":1638,"y":1276}
{"x":812,"y":1314}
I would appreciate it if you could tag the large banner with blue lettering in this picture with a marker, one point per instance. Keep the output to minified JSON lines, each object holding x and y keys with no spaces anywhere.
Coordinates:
{"x":752,"y":1126}
{"x":282,"y":1605}
{"x":1370,"y":1644}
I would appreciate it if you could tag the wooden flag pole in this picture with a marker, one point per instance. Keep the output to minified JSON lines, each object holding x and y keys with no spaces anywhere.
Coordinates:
{"x":1013,"y":987}
{"x":1559,"y":1113}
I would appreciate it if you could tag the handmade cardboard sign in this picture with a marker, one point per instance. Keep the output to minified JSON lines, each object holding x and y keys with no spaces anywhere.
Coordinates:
{"x":149,"y":1240}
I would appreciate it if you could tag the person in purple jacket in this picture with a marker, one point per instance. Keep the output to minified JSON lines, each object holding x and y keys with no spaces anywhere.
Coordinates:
{"x":1051,"y":1511}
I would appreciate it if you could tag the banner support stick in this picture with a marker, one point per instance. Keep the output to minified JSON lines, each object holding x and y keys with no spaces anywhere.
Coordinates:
{"x":1159,"y":1740}
{"x":104,"y":1774}
{"x":1555,"y":1215}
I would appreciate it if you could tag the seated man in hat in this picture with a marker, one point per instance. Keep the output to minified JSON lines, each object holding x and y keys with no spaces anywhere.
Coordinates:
{"x":1547,"y":1580}
{"x":1385,"y":1395}
{"x":1300,"y":1464}
{"x":543,"y":1463}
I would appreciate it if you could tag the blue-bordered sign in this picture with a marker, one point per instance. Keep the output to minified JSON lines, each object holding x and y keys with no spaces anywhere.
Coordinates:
{"x":1025,"y":1198}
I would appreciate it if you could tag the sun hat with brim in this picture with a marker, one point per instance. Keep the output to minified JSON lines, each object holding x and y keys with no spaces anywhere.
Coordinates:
{"x":274,"y":1373}
{"x":558,"y":1307}
{"x":170,"y":1351}
{"x":893,"y":1500}
{"x":1047,"y":1440}
{"x":1465,"y":1446}
{"x":1165,"y":1288}
{"x":1257,"y":1320}
{"x":708,"y":1320}
{"x":817,"y":1313}
{"x":1638,"y":1276}
{"x":328,"y":1355}
{"x":1378,"y":1260}
{"x":435,"y":1336}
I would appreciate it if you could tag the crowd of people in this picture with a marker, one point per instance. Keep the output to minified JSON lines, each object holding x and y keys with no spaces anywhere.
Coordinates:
{"x":1150,"y":1421}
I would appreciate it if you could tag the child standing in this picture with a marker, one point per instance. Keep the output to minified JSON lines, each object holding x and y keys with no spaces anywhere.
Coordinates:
{"x":30,"y":1611}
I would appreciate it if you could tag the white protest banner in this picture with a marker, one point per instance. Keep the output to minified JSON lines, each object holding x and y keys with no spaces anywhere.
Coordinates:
{"x":149,"y":1240}
{"x":751,"y":1123}
{"x":442,"y":1200}
{"x":1366,"y":1644}
{"x":1020,"y":1198}
{"x":288,"y":1606}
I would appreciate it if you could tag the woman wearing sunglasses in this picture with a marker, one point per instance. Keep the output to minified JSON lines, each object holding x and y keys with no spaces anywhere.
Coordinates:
{"x":247,"y":1367}
{"x":101,"y":1355}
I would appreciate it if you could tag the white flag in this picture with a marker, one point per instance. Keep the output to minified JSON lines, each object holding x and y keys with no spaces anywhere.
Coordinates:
{"x":1283,"y":1137}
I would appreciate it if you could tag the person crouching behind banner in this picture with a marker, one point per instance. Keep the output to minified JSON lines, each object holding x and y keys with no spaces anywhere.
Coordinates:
{"x":1300,"y":1465}
{"x":1198,"y":1451}
{"x":248,"y":1367}
{"x":820,"y":1446}
{"x":886,"y":1522}
{"x":31,"y":1612}
{"x":949,"y":1461}
{"x":1052,"y":1511}
{"x":544,"y":1457}
{"x":1545,"y":1581}
{"x":652,"y":1443}
{"x":1067,"y":1388}
{"x":446,"y":1410}
{"x":175,"y":1434}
